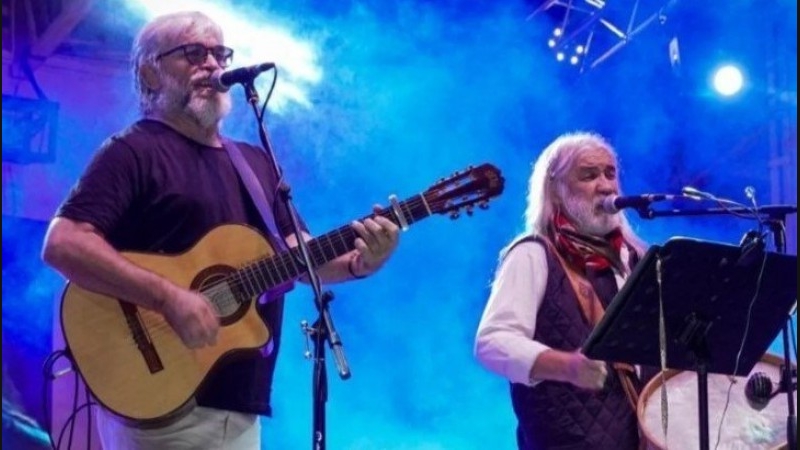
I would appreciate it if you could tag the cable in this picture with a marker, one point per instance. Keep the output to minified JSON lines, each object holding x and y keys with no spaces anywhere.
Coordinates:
{"x":88,"y":417}
{"x":741,"y":346}
{"x":26,"y":69}
{"x":724,"y":411}
{"x":49,"y":376}
{"x":47,"y":369}
{"x":71,"y":421}
{"x":723,"y":203}
{"x":269,"y":94}
{"x":279,"y":181}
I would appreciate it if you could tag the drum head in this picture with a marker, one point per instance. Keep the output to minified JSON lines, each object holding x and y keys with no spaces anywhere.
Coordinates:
{"x":742,"y":426}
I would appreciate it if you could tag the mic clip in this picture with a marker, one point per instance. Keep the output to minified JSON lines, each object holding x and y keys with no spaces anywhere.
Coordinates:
{"x":753,"y":247}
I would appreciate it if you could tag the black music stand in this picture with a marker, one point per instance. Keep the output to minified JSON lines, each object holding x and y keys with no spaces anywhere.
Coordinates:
{"x":707,"y":290}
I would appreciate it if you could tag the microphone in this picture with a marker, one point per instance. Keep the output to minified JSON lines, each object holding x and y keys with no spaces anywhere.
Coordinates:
{"x":695,"y":193}
{"x":223,"y":80}
{"x":758,"y":391}
{"x":614,"y":203}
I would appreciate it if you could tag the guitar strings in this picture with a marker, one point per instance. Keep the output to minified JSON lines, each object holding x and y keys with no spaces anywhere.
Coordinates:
{"x":222,"y":293}
{"x":317,"y":246}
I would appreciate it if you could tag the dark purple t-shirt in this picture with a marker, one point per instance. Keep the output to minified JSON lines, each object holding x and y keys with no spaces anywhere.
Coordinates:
{"x":151,"y":189}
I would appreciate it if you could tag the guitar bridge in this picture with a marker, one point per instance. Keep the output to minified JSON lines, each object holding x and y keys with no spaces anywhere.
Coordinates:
{"x":141,"y":337}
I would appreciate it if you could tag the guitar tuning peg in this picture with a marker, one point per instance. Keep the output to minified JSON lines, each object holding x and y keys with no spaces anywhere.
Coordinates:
{"x":469,"y":210}
{"x":483,"y":205}
{"x":455,"y":215}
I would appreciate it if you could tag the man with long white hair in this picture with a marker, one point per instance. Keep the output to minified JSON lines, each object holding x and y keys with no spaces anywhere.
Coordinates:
{"x":159,"y":187}
{"x":550,"y":289}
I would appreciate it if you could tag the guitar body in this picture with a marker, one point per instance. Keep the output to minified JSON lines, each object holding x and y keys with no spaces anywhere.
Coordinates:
{"x":130,"y":357}
{"x":138,"y":367}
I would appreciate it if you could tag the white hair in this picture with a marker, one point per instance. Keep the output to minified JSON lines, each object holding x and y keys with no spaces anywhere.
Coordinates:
{"x":548,"y":183}
{"x":158,"y":36}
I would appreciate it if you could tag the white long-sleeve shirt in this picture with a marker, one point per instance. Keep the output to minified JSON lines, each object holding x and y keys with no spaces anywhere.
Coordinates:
{"x":504,"y":343}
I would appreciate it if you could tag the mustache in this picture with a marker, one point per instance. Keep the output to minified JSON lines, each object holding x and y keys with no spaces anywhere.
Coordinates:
{"x":590,"y":203}
{"x":202,"y":78}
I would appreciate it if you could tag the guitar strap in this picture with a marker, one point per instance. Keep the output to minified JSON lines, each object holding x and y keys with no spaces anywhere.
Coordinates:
{"x":256,"y":192}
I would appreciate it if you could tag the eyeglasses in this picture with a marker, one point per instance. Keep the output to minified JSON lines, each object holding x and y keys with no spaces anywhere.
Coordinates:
{"x":197,"y":53}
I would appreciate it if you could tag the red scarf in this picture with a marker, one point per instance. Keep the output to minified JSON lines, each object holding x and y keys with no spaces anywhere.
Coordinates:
{"x":583,"y":251}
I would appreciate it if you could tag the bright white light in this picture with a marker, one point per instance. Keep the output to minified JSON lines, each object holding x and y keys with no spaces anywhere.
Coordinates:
{"x":728,"y":80}
{"x":255,"y":43}
{"x":579,"y":49}
{"x":560,"y":56}
{"x":557,"y":32}
{"x":573,"y":60}
{"x":551,"y":43}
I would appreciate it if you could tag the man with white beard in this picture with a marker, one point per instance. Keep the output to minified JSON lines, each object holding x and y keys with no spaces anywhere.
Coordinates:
{"x":159,"y":187}
{"x":551,"y":287}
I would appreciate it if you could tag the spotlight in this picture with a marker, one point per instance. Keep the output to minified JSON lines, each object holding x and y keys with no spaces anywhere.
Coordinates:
{"x":560,"y":56}
{"x":728,"y":80}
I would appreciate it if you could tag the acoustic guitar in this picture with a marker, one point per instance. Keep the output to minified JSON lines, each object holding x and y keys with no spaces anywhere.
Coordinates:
{"x":136,"y":365}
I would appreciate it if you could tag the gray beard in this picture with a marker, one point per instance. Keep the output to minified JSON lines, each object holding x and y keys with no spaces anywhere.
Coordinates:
{"x":206,"y":112}
{"x":587,"y":219}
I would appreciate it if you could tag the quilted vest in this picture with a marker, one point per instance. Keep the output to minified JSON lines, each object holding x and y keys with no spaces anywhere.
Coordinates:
{"x":558,"y":415}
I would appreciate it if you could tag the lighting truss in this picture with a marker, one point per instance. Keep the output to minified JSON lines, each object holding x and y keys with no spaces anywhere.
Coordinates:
{"x":589,"y":32}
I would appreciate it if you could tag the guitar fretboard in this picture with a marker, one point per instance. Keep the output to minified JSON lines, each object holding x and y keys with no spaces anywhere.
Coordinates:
{"x":265,"y":274}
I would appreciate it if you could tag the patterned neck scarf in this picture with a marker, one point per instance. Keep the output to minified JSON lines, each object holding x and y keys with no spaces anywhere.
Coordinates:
{"x":587,"y":252}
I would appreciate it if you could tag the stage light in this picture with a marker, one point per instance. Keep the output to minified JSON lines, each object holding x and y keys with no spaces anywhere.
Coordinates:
{"x":597,"y":29}
{"x":728,"y":80}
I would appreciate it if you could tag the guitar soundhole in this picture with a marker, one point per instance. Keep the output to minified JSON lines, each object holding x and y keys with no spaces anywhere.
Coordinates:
{"x":227,"y":297}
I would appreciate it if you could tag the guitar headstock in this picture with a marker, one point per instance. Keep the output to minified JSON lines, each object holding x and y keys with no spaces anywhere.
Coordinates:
{"x":464,"y":190}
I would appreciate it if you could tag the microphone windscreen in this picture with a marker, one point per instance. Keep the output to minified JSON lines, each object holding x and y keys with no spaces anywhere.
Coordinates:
{"x":758,"y":391}
{"x":608,"y":205}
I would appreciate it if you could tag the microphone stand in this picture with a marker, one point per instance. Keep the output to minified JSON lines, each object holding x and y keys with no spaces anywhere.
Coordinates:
{"x":769,"y":211}
{"x":323,"y":328}
{"x":776,"y":221}
{"x":777,"y":224}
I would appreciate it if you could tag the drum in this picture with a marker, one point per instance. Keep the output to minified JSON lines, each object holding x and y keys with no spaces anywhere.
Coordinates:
{"x":742,"y":427}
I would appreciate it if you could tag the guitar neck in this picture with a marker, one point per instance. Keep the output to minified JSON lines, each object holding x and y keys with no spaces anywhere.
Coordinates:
{"x":287,"y":266}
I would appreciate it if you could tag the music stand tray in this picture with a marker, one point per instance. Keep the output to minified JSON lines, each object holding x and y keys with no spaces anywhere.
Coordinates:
{"x":713,"y":294}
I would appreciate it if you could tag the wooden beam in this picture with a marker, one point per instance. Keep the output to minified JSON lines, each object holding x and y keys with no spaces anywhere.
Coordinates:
{"x":71,"y":15}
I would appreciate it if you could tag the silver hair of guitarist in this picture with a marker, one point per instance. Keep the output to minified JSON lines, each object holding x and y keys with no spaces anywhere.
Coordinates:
{"x":150,"y":42}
